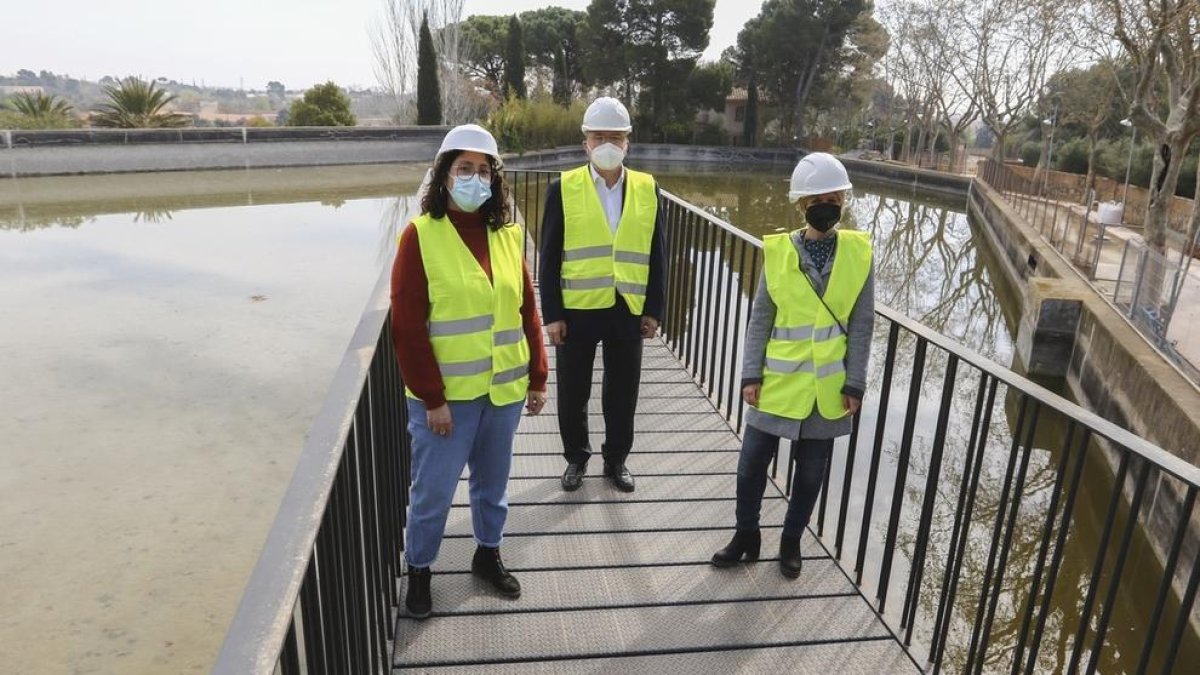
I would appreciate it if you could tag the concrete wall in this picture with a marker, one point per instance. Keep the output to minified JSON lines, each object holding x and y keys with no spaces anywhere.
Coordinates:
{"x":87,"y":151}
{"x":656,"y":153}
{"x":901,"y":175}
{"x":1112,"y":370}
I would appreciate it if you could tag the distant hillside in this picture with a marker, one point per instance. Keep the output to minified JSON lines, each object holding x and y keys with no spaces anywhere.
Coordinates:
{"x":212,"y":106}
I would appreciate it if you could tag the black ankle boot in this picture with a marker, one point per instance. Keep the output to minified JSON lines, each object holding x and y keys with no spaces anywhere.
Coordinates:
{"x":488,"y":566}
{"x":419,"y":600}
{"x":744,"y":543}
{"x":789,"y":556}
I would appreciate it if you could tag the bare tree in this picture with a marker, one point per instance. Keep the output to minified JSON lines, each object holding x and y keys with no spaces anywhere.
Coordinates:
{"x":1162,"y":38}
{"x":394,"y":38}
{"x":922,"y":65}
{"x":1007,"y":48}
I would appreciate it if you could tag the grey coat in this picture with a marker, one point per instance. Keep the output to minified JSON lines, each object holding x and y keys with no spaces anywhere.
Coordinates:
{"x":859,"y":329}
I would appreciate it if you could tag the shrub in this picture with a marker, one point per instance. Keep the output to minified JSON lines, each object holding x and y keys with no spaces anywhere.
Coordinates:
{"x":1072,"y":156}
{"x":325,"y":105}
{"x":521,"y":125}
{"x":1031,"y":152}
{"x":711,"y":134}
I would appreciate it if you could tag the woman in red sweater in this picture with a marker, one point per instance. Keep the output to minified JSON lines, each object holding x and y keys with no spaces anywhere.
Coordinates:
{"x":469,"y":343}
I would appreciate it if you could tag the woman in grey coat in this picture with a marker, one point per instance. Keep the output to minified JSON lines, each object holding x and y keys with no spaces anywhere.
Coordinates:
{"x":805,"y":361}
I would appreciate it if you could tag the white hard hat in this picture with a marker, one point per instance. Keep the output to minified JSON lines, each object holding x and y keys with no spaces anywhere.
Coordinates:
{"x":470,"y":138}
{"x":606,"y":114}
{"x":818,"y":173}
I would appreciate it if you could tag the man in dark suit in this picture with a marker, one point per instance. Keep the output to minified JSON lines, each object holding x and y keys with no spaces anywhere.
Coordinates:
{"x":602,"y":281}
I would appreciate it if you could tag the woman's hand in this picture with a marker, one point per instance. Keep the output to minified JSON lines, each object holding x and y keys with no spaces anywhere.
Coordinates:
{"x":557,"y":331}
{"x":852,"y":404}
{"x":535,"y":401}
{"x":438,"y":420}
{"x":750,"y":394}
{"x":649,"y":327}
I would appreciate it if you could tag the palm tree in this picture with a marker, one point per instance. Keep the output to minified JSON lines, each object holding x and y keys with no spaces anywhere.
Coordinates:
{"x":42,"y":107}
{"x":134,"y":103}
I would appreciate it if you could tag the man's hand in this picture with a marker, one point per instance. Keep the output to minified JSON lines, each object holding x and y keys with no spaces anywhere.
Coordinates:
{"x":438,"y":420}
{"x":852,"y":404}
{"x":535,"y":401}
{"x":557,"y":331}
{"x":750,"y":394}
{"x":649,"y":327}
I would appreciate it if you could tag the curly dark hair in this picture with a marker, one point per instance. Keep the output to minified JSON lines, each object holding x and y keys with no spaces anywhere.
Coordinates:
{"x":495,"y":210}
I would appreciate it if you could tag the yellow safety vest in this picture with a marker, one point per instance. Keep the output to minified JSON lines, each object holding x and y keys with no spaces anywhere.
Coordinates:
{"x":475,"y":325}
{"x":805,"y":354}
{"x":595,"y":264}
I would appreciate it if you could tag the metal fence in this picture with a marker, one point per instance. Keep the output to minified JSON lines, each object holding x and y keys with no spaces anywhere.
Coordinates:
{"x":1055,"y":213}
{"x":958,"y":503}
{"x":1146,"y":285}
{"x":1002,"y":427}
{"x":322,"y":597}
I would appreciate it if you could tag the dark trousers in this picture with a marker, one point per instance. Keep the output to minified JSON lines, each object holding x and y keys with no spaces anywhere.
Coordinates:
{"x":619,"y":391}
{"x":758,"y":448}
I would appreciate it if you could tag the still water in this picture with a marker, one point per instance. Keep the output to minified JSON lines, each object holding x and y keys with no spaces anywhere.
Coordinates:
{"x":931,"y":264}
{"x":165,"y":340}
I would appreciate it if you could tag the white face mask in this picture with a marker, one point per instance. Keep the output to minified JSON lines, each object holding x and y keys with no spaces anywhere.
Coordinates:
{"x":607,"y":157}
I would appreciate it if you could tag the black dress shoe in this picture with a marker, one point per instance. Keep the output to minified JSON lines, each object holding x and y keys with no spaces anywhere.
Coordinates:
{"x":620,"y":476}
{"x":419,"y":600}
{"x":573,"y":477}
{"x":745,"y":545}
{"x":488,"y":566}
{"x":789,"y":556}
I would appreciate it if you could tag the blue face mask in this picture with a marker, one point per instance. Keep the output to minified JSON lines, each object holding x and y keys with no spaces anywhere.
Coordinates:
{"x":470,"y":193}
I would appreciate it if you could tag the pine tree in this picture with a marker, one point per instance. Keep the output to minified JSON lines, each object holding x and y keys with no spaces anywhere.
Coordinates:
{"x":429,"y":96}
{"x":514,"y":60}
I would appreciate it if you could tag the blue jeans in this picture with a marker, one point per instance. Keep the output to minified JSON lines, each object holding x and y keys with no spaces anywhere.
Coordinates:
{"x":482,"y":439}
{"x":758,"y":448}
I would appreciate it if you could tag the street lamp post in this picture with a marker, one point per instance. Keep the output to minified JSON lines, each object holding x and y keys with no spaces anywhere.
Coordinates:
{"x":1128,"y":166}
{"x":1052,"y":122}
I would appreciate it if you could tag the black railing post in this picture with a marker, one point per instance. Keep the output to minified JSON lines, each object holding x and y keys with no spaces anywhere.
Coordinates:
{"x":847,"y":479}
{"x":1164,"y":586}
{"x":1060,"y":545}
{"x":964,"y":511}
{"x":906,"y":437}
{"x":917,"y":569}
{"x":1017,"y":493}
{"x":885,"y":391}
{"x":1085,"y":614}
{"x":1135,"y":508}
{"x":997,"y":530}
{"x":1043,"y":549}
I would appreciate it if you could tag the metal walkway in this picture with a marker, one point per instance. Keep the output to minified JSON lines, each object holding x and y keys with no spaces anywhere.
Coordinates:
{"x":616,"y":582}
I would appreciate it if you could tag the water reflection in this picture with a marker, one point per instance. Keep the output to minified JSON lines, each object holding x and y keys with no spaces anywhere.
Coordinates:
{"x":166,"y":341}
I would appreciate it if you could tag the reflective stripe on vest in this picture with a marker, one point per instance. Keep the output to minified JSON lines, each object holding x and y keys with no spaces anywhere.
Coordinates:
{"x":805,"y":360}
{"x":475,"y":324}
{"x":595,"y":263}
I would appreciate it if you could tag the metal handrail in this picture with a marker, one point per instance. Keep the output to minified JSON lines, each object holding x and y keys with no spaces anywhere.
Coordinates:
{"x":324,"y":590}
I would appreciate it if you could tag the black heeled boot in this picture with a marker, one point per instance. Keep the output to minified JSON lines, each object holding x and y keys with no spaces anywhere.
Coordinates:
{"x":789,"y":556}
{"x":744,"y":545}
{"x":419,"y":599}
{"x":488,"y":566}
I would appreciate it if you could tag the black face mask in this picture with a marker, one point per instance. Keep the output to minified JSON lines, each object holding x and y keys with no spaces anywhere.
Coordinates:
{"x":823,"y":216}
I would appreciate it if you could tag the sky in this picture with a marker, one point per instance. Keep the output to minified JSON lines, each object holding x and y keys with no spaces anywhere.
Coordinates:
{"x":236,"y":42}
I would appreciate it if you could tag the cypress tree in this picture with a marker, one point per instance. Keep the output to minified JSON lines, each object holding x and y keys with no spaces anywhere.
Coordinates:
{"x":750,"y":126}
{"x":429,"y":96}
{"x":514,"y":60}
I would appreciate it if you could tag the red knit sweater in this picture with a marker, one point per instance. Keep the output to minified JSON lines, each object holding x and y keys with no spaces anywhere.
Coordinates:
{"x":410,"y":312}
